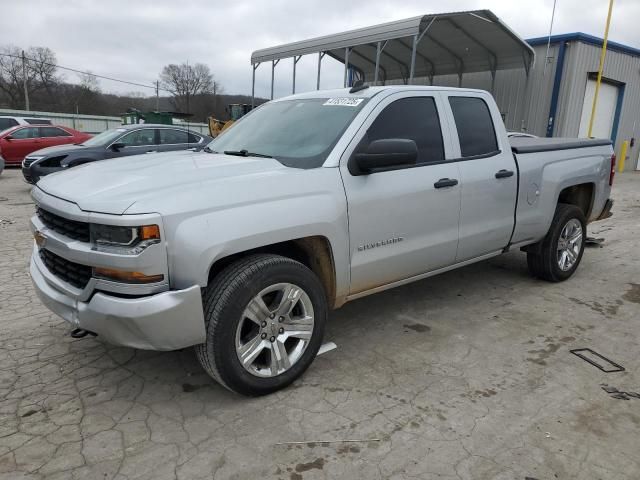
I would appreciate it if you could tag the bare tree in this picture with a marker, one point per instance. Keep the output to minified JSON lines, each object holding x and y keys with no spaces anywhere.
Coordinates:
{"x":184,"y":81}
{"x":40,"y":72}
{"x":86,"y":92}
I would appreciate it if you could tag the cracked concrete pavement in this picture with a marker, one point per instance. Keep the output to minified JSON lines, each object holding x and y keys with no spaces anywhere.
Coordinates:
{"x":466,"y":375}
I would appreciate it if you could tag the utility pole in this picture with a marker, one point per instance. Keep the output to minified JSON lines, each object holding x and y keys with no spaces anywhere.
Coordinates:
{"x":600,"y":68}
{"x":24,"y":81}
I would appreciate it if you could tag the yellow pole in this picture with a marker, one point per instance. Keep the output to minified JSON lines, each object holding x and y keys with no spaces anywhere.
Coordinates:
{"x":623,"y":155}
{"x":602,"y":55}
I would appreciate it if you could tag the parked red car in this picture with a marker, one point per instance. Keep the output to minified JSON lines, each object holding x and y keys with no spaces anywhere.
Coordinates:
{"x":18,"y":142}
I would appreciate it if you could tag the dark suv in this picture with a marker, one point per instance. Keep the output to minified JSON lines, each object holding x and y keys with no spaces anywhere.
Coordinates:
{"x":119,"y":142}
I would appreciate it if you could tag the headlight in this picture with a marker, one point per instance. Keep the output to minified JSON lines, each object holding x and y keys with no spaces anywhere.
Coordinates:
{"x":52,"y":162}
{"x":30,"y":160}
{"x":123,"y":240}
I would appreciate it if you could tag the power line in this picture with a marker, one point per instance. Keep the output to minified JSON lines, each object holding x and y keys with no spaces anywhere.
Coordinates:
{"x":153,"y":87}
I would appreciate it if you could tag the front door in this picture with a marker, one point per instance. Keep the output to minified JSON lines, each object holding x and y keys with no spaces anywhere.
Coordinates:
{"x":23,"y":141}
{"x":402,"y":222}
{"x":488,"y":175}
{"x":136,"y":142}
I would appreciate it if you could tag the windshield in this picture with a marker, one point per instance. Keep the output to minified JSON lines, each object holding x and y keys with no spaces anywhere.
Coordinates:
{"x":297,"y":133}
{"x":104,"y":138}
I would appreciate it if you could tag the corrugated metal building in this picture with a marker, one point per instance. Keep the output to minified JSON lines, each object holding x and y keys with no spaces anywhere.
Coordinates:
{"x":557,"y":98}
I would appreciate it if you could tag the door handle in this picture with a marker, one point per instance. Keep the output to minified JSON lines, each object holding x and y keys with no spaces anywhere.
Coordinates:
{"x":150,"y":151}
{"x":504,"y":173}
{"x":445,"y":182}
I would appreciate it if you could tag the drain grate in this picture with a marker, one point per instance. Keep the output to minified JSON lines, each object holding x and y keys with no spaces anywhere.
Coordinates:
{"x":597,"y":360}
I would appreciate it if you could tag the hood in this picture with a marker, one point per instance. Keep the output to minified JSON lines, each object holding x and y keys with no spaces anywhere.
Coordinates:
{"x":153,"y":182}
{"x":58,"y":149}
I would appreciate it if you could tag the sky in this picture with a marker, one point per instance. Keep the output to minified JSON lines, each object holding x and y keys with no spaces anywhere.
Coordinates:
{"x":134,"y":39}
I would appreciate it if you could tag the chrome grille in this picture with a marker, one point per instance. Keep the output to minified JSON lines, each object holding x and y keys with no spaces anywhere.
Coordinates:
{"x":26,"y":163}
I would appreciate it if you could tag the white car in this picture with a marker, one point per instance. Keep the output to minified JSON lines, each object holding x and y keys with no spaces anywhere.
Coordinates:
{"x":8,"y":121}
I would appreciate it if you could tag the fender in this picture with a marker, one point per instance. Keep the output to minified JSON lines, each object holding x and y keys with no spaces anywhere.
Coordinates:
{"x":209,"y":235}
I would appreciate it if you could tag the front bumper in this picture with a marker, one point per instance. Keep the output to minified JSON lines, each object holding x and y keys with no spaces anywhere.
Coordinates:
{"x":606,"y":211}
{"x":165,"y":321}
{"x":26,"y":173}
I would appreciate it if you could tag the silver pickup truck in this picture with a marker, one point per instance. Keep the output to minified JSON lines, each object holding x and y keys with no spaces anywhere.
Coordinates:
{"x":308,"y":202}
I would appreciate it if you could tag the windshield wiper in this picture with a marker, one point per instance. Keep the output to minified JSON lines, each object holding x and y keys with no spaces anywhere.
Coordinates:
{"x":246,"y":153}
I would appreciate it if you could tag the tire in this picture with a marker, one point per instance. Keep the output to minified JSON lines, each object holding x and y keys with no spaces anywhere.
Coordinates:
{"x":545,"y":259}
{"x":234,"y":322}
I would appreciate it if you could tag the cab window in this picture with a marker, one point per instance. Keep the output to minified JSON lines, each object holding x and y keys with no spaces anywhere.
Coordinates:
{"x":475,"y":126}
{"x":416,"y":119}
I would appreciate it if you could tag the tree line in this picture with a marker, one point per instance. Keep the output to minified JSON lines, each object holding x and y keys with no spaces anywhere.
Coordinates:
{"x":185,"y":88}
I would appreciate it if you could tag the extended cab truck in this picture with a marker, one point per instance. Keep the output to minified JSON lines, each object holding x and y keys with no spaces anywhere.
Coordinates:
{"x":306,"y":203}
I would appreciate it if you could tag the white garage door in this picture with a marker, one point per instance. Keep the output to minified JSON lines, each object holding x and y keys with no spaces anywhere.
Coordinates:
{"x":605,"y":111}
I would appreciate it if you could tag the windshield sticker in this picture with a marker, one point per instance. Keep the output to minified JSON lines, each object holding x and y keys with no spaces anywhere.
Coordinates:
{"x":344,"y":102}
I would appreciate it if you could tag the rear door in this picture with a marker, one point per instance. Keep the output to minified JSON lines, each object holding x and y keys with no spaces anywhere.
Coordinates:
{"x":174,"y":139}
{"x":487,"y":173}
{"x":400,"y":223}
{"x":51,"y":136}
{"x":23,"y":141}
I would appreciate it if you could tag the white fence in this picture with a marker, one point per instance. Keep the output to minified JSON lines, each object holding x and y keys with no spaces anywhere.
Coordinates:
{"x":91,"y":123}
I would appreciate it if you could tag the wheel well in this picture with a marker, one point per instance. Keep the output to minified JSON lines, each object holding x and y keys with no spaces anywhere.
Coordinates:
{"x":579,"y":195}
{"x":313,"y":252}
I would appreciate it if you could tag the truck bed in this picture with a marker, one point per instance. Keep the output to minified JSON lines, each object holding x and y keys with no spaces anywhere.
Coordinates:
{"x":533,"y":145}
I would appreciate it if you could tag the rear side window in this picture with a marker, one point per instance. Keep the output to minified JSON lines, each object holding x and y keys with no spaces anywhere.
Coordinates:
{"x":27,"y":132}
{"x":37,"y":121}
{"x":53,"y":132}
{"x":172,"y":137}
{"x":194,"y":138}
{"x":7,"y":123}
{"x":415,"y":119}
{"x":475,"y":126}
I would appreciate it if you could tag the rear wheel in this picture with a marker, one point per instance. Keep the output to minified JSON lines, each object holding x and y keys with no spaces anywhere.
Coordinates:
{"x":558,"y":254}
{"x":265,"y":318}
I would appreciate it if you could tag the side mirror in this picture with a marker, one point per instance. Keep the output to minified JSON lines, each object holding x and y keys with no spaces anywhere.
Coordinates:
{"x":8,"y":137}
{"x":384,"y":153}
{"x":116,"y":147}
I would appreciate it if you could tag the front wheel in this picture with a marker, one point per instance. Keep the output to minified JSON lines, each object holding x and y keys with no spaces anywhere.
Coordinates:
{"x":558,"y":254}
{"x":265,"y":318}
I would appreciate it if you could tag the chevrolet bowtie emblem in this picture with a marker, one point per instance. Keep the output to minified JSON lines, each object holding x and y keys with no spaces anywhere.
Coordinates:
{"x":39,"y":238}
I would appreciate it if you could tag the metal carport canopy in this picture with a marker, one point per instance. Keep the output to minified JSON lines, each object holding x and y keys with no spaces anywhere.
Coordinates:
{"x":423,"y":46}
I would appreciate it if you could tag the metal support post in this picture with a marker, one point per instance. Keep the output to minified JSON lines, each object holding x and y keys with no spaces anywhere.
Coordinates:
{"x":413,"y":58}
{"x":295,"y":61}
{"x":346,"y":64}
{"x":320,"y":57}
{"x":253,"y":83}
{"x":600,"y":68}
{"x":273,"y":72}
